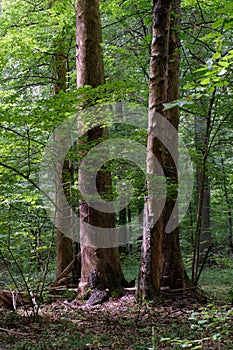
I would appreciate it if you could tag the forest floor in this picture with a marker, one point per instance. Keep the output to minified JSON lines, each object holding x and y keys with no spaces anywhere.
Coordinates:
{"x":120,"y":323}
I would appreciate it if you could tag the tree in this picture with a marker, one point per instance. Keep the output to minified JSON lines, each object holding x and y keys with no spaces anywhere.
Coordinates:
{"x":64,"y":249}
{"x":208,"y":61}
{"x":200,"y":132}
{"x":42,"y":74}
{"x":100,"y":267}
{"x":35,"y":37}
{"x":161,"y":262}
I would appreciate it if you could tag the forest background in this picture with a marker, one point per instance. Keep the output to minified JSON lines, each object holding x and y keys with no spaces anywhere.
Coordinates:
{"x":38,"y":44}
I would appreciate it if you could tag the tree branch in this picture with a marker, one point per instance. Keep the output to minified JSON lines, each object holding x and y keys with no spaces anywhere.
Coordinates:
{"x":26,"y":177}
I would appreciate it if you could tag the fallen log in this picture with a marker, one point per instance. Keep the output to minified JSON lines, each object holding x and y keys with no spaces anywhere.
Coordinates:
{"x":10,"y":331}
{"x":11,"y":299}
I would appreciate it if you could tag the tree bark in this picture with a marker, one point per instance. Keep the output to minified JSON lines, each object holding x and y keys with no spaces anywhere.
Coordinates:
{"x":229,"y":210}
{"x":200,"y":198}
{"x":200,"y":133}
{"x":101,"y":267}
{"x":161,"y":263}
{"x":64,"y":250}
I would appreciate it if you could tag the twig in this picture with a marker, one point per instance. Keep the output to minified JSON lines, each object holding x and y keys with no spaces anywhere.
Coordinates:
{"x":10,"y":331}
{"x":205,"y":260}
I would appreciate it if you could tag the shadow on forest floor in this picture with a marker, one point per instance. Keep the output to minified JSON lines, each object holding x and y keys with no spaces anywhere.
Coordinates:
{"x":120,"y":323}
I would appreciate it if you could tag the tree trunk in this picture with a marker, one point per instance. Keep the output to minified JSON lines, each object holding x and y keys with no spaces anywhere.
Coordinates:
{"x":200,"y":199}
{"x":64,"y":246}
{"x":200,"y":133}
{"x":101,"y":267}
{"x":64,"y":251}
{"x":161,"y":263}
{"x":229,"y":211}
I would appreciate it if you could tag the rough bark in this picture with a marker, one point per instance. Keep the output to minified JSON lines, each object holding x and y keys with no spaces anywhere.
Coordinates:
{"x":101,"y":267}
{"x":161,"y":263}
{"x":65,"y":253}
{"x":64,"y":246}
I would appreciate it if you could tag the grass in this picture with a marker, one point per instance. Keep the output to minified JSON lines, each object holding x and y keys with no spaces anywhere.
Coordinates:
{"x":217,"y":279}
{"x":218,"y":283}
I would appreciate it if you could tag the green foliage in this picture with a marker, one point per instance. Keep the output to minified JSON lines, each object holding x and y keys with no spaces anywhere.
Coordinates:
{"x":222,"y":275}
{"x":204,"y":327}
{"x":130,"y":261}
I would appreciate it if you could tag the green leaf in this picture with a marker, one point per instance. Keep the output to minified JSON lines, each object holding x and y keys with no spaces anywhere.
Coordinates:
{"x":223,"y":64}
{"x":201,"y":69}
{"x":202,"y":321}
{"x":216,"y":55}
{"x":218,"y":23}
{"x":205,"y":81}
{"x":211,"y":90}
{"x":211,"y":36}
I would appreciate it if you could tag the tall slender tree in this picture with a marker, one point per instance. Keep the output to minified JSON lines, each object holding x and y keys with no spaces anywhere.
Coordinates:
{"x":64,"y":250}
{"x":200,"y":136}
{"x":161,"y":262}
{"x":100,"y":267}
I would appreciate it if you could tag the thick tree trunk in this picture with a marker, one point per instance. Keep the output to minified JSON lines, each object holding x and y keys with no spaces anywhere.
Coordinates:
{"x":101,"y":267}
{"x":161,"y":262}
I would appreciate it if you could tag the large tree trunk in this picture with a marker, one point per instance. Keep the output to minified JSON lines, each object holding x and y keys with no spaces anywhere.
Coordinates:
{"x":101,"y":267}
{"x":161,"y":263}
